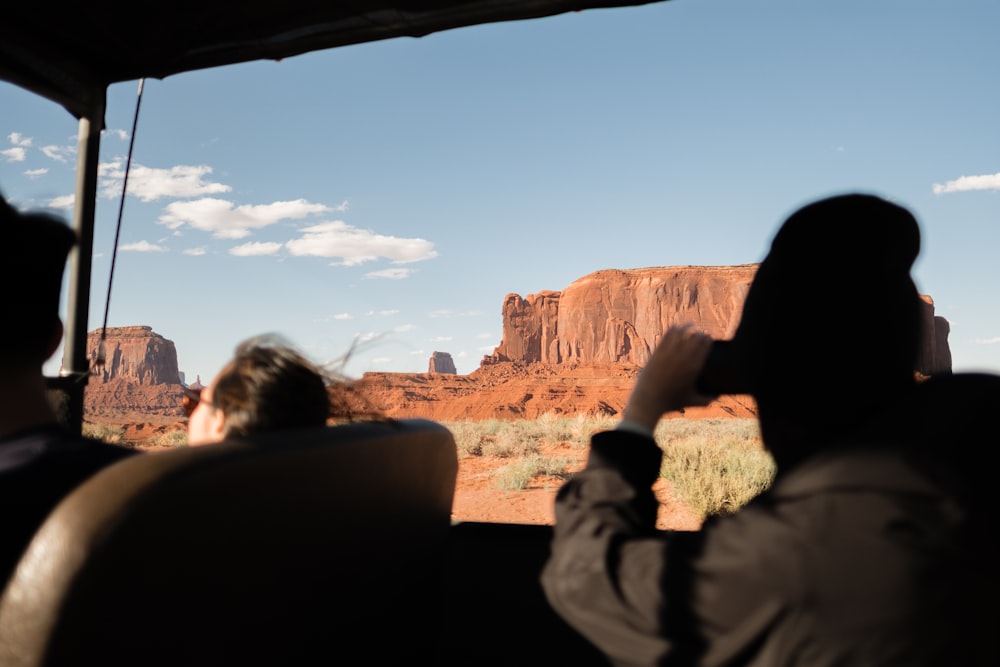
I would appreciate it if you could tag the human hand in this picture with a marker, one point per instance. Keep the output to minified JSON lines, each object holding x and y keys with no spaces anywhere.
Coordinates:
{"x":667,"y":382}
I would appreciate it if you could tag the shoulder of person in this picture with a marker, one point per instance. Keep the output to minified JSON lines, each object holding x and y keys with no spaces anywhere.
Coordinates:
{"x":53,"y":442}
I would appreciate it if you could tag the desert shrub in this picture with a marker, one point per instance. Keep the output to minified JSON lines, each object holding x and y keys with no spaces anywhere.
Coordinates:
{"x":517,"y":439}
{"x":468,"y":438}
{"x":175,"y":438}
{"x":104,"y":432}
{"x":714,"y":466}
{"x":517,"y":475}
{"x":495,"y":437}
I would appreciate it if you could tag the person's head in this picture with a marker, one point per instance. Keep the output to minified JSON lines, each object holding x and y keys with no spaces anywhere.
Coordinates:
{"x":266,"y":385}
{"x":33,"y":253}
{"x":830,"y":330}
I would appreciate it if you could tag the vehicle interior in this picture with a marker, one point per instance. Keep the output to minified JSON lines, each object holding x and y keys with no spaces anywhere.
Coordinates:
{"x":273,"y":590}
{"x":133,"y":567}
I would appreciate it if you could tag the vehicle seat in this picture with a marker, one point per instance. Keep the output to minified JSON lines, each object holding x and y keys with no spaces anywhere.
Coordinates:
{"x":297,"y":547}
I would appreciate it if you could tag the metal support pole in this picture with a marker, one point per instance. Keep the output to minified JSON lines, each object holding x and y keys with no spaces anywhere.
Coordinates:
{"x":76,"y":366}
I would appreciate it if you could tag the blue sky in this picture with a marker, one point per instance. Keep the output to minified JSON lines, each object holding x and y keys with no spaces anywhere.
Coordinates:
{"x":396,"y":191}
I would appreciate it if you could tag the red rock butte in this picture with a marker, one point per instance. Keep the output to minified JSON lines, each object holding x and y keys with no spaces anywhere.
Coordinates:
{"x":569,"y":352}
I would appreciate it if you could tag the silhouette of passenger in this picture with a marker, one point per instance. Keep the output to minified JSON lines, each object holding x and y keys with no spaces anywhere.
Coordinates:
{"x":40,"y":459}
{"x":871,"y":547}
{"x":268,"y":385}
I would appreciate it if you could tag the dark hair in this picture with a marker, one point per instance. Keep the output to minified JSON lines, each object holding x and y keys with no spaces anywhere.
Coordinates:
{"x":35,"y":247}
{"x":270,"y":385}
{"x":832,"y":316}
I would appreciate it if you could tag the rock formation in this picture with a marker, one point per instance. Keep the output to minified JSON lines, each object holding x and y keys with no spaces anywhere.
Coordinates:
{"x":576,"y":351}
{"x":441,"y":362}
{"x":617,"y":316}
{"x":139,"y":377}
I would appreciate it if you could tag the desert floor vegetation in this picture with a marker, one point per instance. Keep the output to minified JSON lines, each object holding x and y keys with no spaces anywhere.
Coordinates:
{"x":715,"y":466}
{"x":105,"y":432}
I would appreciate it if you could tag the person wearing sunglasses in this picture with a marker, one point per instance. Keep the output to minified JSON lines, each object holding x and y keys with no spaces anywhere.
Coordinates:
{"x":41,"y":460}
{"x":269,"y":385}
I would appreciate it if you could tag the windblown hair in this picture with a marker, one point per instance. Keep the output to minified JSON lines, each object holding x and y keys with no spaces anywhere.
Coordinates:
{"x":270,"y":385}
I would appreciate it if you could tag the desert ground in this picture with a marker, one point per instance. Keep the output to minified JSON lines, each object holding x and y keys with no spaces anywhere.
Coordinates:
{"x":477,"y":496}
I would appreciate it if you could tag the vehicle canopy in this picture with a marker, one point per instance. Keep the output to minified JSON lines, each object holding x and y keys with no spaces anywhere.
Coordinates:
{"x":71,"y":54}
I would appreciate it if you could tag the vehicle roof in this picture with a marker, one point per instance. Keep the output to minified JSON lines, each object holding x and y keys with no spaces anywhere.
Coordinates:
{"x":71,"y":52}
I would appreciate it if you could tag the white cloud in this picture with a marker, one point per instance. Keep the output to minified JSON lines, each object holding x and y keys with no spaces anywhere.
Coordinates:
{"x":440,"y":339}
{"x":225,"y":220}
{"x":141,"y":246}
{"x":445,"y":312}
{"x":149,"y":183}
{"x":486,"y":349}
{"x":484,"y":335}
{"x":355,"y":246}
{"x":36,"y":173}
{"x":967,"y":183}
{"x":403,"y":328}
{"x":387,"y":313}
{"x":120,"y":134}
{"x":255,"y":249}
{"x":988,"y":341}
{"x":343,"y":316}
{"x":63,"y":202}
{"x":390,"y":274}
{"x":59,"y":153}
{"x":19,"y":139}
{"x":382,"y":360}
{"x":418,"y":353}
{"x":194,"y":252}
{"x":15,"y":154}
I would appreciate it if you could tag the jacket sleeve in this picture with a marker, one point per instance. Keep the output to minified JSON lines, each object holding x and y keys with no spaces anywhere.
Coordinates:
{"x":607,"y":557}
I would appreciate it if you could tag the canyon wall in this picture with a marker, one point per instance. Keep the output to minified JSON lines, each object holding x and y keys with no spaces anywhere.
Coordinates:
{"x":139,"y":377}
{"x":617,"y":316}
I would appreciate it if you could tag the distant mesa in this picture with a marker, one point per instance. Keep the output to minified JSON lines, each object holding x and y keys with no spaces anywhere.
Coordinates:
{"x":618,"y":316}
{"x":441,"y":362}
{"x":575,"y":351}
{"x":138,"y":377}
{"x":578,"y":351}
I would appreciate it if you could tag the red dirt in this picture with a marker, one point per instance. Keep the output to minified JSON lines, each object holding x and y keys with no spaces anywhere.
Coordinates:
{"x":477,"y":495}
{"x":478,"y":498}
{"x":495,"y":391}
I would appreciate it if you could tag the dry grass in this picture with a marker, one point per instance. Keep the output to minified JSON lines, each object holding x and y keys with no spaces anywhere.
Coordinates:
{"x":714,"y":466}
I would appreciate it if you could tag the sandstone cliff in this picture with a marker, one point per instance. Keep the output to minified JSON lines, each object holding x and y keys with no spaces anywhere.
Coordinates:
{"x":441,"y":362}
{"x":569,"y":352}
{"x":617,"y":316}
{"x":138,"y":379}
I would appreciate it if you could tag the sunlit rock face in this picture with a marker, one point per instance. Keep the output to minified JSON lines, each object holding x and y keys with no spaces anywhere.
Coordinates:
{"x":138,"y":374}
{"x":568,"y":352}
{"x":616,"y":316}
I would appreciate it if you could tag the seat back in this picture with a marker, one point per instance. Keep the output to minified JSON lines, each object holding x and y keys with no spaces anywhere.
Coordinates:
{"x":288,"y":548}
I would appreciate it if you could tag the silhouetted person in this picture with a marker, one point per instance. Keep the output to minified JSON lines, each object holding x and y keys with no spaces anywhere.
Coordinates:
{"x":871,"y":547}
{"x":40,"y":459}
